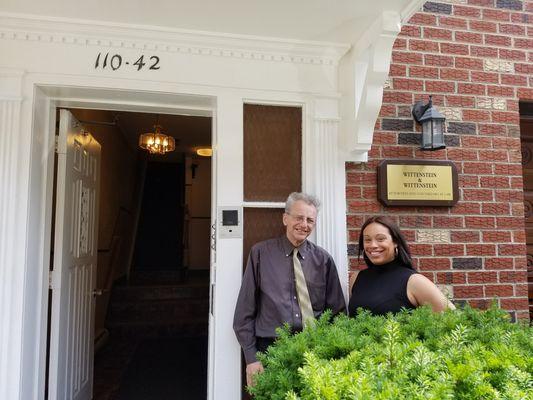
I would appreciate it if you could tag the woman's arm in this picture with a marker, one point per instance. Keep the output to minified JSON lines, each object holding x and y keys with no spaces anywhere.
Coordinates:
{"x":421,"y":291}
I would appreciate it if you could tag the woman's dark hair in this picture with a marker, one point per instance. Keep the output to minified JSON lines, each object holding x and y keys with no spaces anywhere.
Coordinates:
{"x":404,"y":254}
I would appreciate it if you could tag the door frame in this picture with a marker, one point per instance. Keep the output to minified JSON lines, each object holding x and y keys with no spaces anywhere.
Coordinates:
{"x":47,"y":104}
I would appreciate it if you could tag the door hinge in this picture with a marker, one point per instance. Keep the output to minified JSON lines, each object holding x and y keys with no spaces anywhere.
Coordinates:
{"x":56,"y":143}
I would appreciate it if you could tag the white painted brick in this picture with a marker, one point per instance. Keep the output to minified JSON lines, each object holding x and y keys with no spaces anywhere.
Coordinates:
{"x":433,"y":236}
{"x":451,"y":113}
{"x":498,"y":65}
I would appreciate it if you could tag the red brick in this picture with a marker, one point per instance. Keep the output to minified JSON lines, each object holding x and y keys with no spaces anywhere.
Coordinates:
{"x":476,"y":115}
{"x":482,"y":51}
{"x":499,"y":182}
{"x":469,"y":37}
{"x":369,"y":178}
{"x":454,"y":74}
{"x":465,"y":236}
{"x":421,"y":249}
{"x":439,"y":87}
{"x":438,"y":60}
{"x":400,"y":44}
{"x":521,"y":18}
{"x":478,"y":195}
{"x":476,"y":141}
{"x":497,"y":40}
{"x":454,"y":48}
{"x":497,"y":15}
{"x":493,"y":155}
{"x":444,"y":221}
{"x":402,"y":57}
{"x":512,"y":105}
{"x":489,"y":77}
{"x":423,"y":72}
{"x":517,"y":209}
{"x":505,"y":117}
{"x":480,"y":222}
{"x":476,"y":168}
{"x":521,"y":290}
{"x":482,"y":276}
{"x":397,"y":70}
{"x":467,"y":292}
{"x":515,"y":156}
{"x":369,"y":192}
{"x":495,"y":208}
{"x":523,"y":68}
{"x":522,"y":43}
{"x":510,"y":222}
{"x":452,"y":22}
{"x":468,"y":63}
{"x":496,"y":236}
{"x":463,"y":208}
{"x":423,"y":19}
{"x":459,"y":101}
{"x":508,"y":169}
{"x":471,"y":88}
{"x":398,"y":151}
{"x":487,"y":250}
{"x":519,"y":237}
{"x":363,"y":206}
{"x":449,"y":250}
{"x":518,"y":55}
{"x":515,"y":303}
{"x":463,"y":11}
{"x":500,"y":91}
{"x":454,"y":277}
{"x":481,"y":304}
{"x":483,"y":3}
{"x":468,"y":181}
{"x":499,"y":290}
{"x":512,"y":29}
{"x":508,"y":195}
{"x":498,"y":263}
{"x":354,"y":220}
{"x":407,"y":84}
{"x":397,"y":97}
{"x":517,"y":183}
{"x":415,"y":221}
{"x":353,"y":192}
{"x":461,"y":154}
{"x":387,"y":110}
{"x":482,"y":26}
{"x":385,"y":137}
{"x":411,"y":30}
{"x":513,"y":276}
{"x":423,"y":45}
{"x":434,"y":264}
{"x":511,"y":249}
{"x":437,"y":34}
{"x":515,"y":80}
{"x":525,"y":94}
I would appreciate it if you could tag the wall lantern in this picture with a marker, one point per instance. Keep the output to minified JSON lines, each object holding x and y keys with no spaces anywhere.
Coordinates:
{"x":432,"y":122}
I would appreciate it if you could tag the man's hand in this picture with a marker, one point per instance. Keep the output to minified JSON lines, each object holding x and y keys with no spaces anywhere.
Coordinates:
{"x":251,"y":370}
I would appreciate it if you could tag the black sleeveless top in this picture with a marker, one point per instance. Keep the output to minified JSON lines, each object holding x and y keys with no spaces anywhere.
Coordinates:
{"x":381,"y":289}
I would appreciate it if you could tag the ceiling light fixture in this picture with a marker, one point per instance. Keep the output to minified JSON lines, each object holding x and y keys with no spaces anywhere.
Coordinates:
{"x":157,"y":142}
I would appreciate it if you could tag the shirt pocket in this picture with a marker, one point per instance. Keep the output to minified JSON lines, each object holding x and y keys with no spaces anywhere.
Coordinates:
{"x":317,"y":295}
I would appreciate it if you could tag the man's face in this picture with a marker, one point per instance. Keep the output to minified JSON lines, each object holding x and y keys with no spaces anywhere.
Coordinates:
{"x":300,"y":222}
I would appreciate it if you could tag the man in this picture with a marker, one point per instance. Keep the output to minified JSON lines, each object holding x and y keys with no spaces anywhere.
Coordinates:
{"x":274,"y":290}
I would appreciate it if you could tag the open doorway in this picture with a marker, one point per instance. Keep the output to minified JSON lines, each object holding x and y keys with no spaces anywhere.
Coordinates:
{"x":152,"y":284}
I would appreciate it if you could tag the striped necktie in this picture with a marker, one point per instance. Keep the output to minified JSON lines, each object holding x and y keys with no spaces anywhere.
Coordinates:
{"x":301,"y":291}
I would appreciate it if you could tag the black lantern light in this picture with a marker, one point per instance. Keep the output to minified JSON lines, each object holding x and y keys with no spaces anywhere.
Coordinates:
{"x":432,"y":122}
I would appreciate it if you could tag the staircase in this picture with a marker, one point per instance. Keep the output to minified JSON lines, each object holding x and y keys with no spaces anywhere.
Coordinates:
{"x":160,"y":304}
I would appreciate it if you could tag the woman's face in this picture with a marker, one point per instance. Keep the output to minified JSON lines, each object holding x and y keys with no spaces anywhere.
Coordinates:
{"x":378,"y":244}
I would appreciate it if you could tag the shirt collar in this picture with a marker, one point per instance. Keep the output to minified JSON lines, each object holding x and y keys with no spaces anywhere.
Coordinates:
{"x":288,"y":247}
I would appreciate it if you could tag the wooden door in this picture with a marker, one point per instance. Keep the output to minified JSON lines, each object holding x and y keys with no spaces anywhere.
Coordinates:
{"x":74,"y":265}
{"x":526,"y":135}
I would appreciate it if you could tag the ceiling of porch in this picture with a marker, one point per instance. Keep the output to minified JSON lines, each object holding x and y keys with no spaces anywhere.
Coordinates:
{"x":310,"y":20}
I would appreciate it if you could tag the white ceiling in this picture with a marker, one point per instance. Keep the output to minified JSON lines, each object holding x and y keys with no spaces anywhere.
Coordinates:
{"x":322,"y":20}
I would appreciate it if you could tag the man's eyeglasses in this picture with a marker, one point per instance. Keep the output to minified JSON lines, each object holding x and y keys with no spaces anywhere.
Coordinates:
{"x":301,"y":219}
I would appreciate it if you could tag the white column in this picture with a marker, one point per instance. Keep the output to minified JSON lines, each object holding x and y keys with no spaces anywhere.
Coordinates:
{"x":225,"y":367}
{"x":326,"y":179}
{"x":12,"y":215}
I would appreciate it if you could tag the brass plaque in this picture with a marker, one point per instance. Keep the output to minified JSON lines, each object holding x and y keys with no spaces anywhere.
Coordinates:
{"x":417,"y":183}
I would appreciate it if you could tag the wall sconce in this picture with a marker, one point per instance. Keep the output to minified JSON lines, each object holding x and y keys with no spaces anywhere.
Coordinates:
{"x":432,"y":123}
{"x":204,"y":152}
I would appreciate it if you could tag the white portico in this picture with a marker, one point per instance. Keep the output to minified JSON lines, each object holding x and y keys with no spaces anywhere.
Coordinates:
{"x":199,"y":58}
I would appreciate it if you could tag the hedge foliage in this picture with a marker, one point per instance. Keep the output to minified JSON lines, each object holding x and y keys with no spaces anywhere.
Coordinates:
{"x":462,"y":354}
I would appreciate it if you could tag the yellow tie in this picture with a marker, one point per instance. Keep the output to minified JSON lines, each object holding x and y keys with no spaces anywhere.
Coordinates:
{"x":301,"y":291}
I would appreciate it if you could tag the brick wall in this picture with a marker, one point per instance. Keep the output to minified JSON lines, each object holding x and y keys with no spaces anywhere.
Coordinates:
{"x":476,"y":58}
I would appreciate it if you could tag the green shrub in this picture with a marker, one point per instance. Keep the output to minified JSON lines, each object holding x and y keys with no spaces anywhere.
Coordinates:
{"x":462,"y":354}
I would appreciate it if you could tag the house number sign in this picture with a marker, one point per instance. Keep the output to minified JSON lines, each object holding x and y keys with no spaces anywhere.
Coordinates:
{"x":114,"y":62}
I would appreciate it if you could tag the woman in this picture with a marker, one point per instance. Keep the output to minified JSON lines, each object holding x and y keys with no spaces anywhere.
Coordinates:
{"x":390,"y":282}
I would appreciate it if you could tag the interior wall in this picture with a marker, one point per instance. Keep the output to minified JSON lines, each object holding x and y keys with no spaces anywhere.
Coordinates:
{"x":198,"y":212}
{"x":118,"y":179}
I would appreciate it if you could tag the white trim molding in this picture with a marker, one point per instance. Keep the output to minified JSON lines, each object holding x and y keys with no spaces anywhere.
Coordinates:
{"x":11,"y":244}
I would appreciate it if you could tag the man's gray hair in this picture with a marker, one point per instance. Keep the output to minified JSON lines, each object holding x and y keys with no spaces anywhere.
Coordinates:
{"x":298,"y":196}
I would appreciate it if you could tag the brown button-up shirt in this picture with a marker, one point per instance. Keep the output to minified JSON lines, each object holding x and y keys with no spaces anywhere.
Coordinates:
{"x":267,"y":298}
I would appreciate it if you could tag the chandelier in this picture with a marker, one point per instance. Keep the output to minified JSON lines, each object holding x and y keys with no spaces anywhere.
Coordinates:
{"x":157,"y":142}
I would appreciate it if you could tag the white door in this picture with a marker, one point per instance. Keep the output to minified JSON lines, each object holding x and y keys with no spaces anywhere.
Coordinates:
{"x":74,"y":264}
